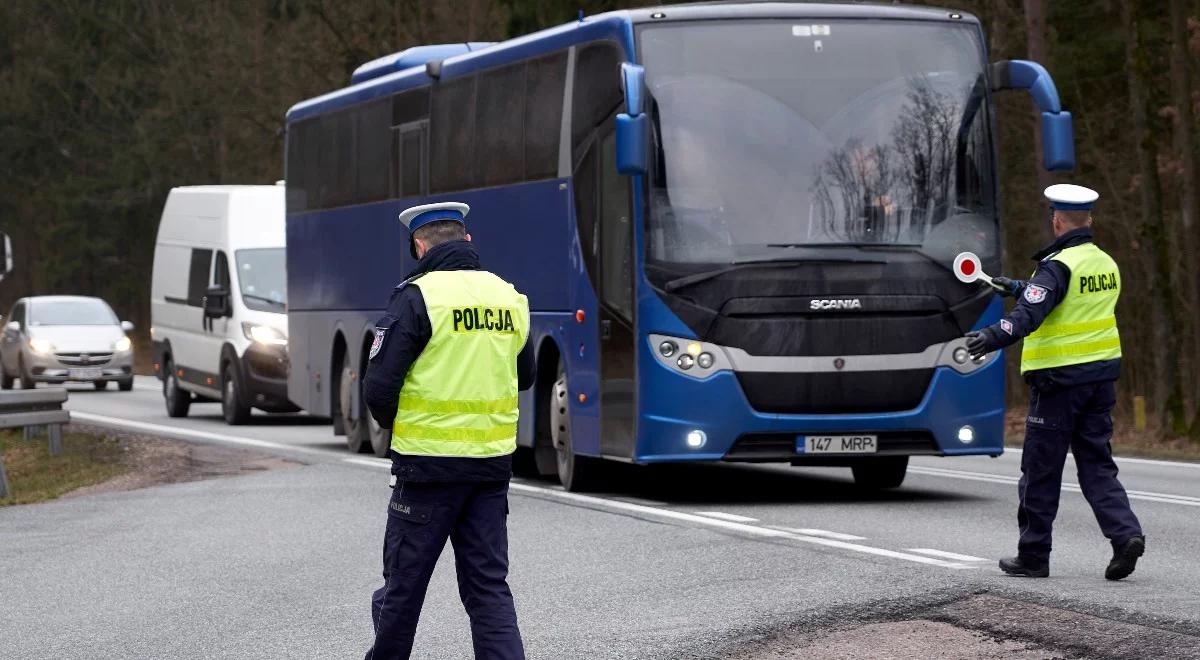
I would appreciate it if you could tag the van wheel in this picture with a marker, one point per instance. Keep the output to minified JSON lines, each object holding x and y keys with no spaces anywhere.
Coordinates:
{"x":178,"y":401}
{"x":358,"y":432}
{"x":233,"y":406}
{"x":26,"y":379}
{"x":100,"y":384}
{"x":880,"y":473}
{"x":577,"y":473}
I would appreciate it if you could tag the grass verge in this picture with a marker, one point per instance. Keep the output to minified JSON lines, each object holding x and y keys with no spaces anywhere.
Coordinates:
{"x":1126,"y":441}
{"x":35,"y":476}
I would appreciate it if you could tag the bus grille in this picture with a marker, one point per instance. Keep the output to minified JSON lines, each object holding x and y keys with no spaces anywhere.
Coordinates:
{"x":754,"y":447}
{"x":835,"y":392}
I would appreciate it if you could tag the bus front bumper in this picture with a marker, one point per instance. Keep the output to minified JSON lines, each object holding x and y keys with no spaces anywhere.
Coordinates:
{"x":687,"y":419}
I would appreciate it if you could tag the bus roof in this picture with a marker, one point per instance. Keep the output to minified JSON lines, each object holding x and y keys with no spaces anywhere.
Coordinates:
{"x":616,"y":26}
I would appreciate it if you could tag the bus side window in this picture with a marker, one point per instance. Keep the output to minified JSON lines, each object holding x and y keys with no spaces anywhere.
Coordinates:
{"x":597,"y":90}
{"x":410,"y":143}
{"x":616,"y":233}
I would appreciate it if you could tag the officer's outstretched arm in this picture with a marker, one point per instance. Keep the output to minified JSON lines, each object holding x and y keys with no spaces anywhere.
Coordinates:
{"x":1039,"y":296}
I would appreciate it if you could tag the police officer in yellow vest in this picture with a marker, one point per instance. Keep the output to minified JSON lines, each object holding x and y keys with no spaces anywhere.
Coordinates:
{"x":1071,"y":360}
{"x":445,"y":367}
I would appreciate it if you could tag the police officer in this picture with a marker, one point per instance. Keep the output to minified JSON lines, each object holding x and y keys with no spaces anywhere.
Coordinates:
{"x":445,"y":366}
{"x":1071,"y":360}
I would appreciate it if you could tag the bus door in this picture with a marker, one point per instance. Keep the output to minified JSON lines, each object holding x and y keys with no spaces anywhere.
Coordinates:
{"x":617,"y":337}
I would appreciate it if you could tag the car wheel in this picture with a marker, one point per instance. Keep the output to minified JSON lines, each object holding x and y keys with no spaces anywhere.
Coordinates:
{"x":880,"y":473}
{"x":125,"y":385}
{"x":178,"y":401}
{"x":100,"y":384}
{"x":26,"y":378}
{"x":358,"y":432}
{"x":233,"y":407}
{"x":577,"y":473}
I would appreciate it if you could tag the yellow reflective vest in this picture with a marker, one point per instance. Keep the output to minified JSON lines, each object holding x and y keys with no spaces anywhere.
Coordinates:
{"x":459,"y":398}
{"x":1083,"y":327}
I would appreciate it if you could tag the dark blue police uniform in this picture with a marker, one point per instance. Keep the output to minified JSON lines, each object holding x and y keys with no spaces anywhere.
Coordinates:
{"x":1070,"y":407}
{"x":434,"y":498}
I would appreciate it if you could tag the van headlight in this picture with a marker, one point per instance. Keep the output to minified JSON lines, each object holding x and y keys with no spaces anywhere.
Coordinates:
{"x":264,"y":334}
{"x":123,"y":344}
{"x":42,"y":346}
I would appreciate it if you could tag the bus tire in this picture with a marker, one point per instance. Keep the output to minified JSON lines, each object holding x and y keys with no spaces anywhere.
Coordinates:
{"x":880,"y":473}
{"x":358,"y":431}
{"x":381,"y":438}
{"x":577,"y":473}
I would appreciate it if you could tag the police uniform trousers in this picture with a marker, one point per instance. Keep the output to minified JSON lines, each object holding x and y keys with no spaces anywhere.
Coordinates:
{"x":1078,"y":418}
{"x":421,"y":516}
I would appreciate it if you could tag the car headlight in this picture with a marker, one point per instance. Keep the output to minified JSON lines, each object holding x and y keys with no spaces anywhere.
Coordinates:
{"x":123,"y":344}
{"x":264,"y":334}
{"x":41,"y":346}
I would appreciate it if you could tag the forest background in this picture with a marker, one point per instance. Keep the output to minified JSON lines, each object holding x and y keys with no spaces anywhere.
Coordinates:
{"x":104,"y":106}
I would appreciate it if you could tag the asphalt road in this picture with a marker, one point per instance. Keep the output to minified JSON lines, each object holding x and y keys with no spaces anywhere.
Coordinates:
{"x":674,"y":562}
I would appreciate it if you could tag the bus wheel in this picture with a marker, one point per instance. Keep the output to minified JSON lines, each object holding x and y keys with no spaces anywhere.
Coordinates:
{"x":577,"y":473}
{"x":358,"y":432}
{"x":880,"y":473}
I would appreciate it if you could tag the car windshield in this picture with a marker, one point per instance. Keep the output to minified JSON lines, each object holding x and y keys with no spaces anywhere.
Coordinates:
{"x":262,"y":278}
{"x":71,"y":312}
{"x":779,"y":140}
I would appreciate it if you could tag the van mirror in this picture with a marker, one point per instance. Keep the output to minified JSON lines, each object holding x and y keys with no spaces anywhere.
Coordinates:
{"x":126,"y":326}
{"x":216,"y":302}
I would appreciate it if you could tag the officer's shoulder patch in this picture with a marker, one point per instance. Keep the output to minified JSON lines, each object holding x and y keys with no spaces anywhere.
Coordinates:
{"x":1006,"y":326}
{"x":381,"y":329}
{"x":1035,"y":294}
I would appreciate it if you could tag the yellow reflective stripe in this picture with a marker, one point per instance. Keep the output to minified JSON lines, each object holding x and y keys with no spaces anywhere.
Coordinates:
{"x":501,"y":432}
{"x":1059,"y":329}
{"x":1081,"y":348}
{"x":461,"y":406}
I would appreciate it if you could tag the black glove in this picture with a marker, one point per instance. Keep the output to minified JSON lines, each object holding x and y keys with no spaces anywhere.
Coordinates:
{"x":1007,"y":287}
{"x":979,"y":343}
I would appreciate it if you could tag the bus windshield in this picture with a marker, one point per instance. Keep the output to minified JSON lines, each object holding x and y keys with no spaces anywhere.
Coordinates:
{"x":782,"y":141}
{"x":262,"y":278}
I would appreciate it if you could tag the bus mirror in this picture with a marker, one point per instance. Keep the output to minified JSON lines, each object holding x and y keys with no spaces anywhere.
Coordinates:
{"x":633,"y":79}
{"x":1058,"y":141}
{"x":1058,"y":136}
{"x":631,"y":143}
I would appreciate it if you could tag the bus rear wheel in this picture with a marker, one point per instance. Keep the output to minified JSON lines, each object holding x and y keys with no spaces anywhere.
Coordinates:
{"x":358,"y":432}
{"x":577,"y":473}
{"x":880,"y":473}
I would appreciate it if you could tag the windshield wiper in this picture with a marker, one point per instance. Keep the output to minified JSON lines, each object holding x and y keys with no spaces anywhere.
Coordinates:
{"x":269,"y":301}
{"x":694,"y":278}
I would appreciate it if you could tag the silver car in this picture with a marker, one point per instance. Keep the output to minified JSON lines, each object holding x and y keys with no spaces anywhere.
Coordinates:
{"x":59,"y":339}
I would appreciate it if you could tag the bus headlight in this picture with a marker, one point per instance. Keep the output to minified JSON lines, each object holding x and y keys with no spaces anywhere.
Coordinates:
{"x":667,"y":349}
{"x":697,"y":359}
{"x":685,"y":361}
{"x":960,"y":355}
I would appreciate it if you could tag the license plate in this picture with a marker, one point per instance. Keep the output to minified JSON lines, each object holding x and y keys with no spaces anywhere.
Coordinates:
{"x":84,"y":374}
{"x":837,"y":444}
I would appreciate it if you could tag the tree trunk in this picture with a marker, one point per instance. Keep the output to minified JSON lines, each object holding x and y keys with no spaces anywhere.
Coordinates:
{"x":1035,"y":30}
{"x":1168,"y":400}
{"x":1189,"y":198}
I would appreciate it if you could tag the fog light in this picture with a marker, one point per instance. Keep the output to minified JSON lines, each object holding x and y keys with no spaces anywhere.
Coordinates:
{"x":966,"y":435}
{"x":961,"y":356}
{"x":685,"y":361}
{"x":667,"y":349}
{"x":705,"y":360}
{"x":696,"y":439}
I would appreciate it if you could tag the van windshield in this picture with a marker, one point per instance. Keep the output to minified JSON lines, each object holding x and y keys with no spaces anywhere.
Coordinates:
{"x":262,"y":279}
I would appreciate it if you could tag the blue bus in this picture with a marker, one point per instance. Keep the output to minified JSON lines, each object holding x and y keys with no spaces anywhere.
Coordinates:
{"x":735,"y":225}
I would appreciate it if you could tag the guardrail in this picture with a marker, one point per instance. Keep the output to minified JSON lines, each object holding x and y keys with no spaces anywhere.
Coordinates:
{"x":30,"y":409}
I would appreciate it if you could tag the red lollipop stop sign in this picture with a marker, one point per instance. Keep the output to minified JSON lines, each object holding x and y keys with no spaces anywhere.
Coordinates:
{"x":968,"y":269}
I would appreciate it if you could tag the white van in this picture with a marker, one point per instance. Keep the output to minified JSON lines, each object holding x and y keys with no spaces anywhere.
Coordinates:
{"x":218,"y":300}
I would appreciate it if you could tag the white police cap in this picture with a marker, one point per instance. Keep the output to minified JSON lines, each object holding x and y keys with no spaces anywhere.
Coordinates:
{"x":1069,"y":197}
{"x":418,"y":216}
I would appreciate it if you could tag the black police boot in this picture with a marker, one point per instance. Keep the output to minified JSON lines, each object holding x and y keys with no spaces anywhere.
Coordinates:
{"x":1024,"y":568}
{"x":1125,"y":558}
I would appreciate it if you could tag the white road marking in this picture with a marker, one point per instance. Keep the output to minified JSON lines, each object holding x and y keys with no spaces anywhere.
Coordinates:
{"x":370,"y":462}
{"x":1124,"y":459}
{"x":825,"y":533}
{"x":726,"y":516}
{"x":1166,"y":498}
{"x":703,"y":521}
{"x":945,"y":555}
{"x":178,"y":432}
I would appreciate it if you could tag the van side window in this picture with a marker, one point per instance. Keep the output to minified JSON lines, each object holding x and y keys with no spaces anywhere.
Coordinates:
{"x":221,"y":272}
{"x":198,"y":277}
